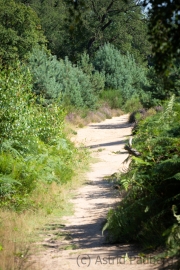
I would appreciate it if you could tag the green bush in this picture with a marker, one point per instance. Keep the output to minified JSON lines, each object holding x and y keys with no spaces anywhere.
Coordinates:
{"x":21,"y":117}
{"x":96,"y":78}
{"x":113,"y":98}
{"x":60,"y":80}
{"x":132,"y":104}
{"x":33,"y":146}
{"x":152,"y":183}
{"x":121,"y":71}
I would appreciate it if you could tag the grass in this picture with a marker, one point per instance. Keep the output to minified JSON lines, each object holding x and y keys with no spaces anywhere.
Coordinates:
{"x":79,"y":119}
{"x":100,"y":149}
{"x":71,"y":247}
{"x":18,"y":231}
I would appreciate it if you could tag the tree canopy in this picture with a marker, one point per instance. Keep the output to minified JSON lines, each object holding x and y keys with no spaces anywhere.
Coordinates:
{"x":72,"y":29}
{"x":164,"y":30}
{"x":20,"y":31}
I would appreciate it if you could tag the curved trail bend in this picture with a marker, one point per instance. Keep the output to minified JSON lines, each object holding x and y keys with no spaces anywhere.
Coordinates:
{"x":88,"y":249}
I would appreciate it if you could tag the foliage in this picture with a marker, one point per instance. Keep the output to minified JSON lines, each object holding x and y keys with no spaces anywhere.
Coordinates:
{"x":20,"y":31}
{"x":18,"y":110}
{"x":61,"y":80}
{"x":120,"y":23}
{"x":113,"y":98}
{"x":52,"y":15}
{"x":152,"y":182}
{"x":173,"y":241}
{"x":156,"y":86}
{"x":159,"y":88}
{"x":73,"y":27}
{"x":132,"y":104}
{"x":164,"y":30}
{"x":121,"y":71}
{"x":96,"y":78}
{"x":33,"y":146}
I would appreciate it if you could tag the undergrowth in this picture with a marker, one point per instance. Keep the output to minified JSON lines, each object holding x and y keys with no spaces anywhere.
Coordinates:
{"x":38,"y":165}
{"x":81,"y":118}
{"x":146,"y":215}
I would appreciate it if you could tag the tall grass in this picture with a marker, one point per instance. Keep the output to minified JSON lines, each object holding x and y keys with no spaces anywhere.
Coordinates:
{"x":19,"y":225}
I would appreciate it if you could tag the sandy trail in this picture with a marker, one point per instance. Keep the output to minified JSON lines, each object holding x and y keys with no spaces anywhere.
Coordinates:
{"x":88,"y":247}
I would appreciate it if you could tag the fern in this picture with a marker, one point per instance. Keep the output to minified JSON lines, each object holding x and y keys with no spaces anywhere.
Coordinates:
{"x":7,"y":185}
{"x":152,"y":183}
{"x":176,"y":176}
{"x":168,"y":110}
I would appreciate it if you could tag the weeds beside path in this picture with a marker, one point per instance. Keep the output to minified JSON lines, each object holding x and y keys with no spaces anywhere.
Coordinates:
{"x":79,"y":242}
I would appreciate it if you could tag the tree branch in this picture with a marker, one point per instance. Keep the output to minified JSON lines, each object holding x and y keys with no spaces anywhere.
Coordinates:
{"x":106,"y":25}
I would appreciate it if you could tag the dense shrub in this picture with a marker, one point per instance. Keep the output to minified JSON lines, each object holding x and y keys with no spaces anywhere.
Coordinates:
{"x":152,"y":184}
{"x":61,"y":79}
{"x":33,"y":147}
{"x":113,"y":98}
{"x":96,"y":78}
{"x":121,"y":71}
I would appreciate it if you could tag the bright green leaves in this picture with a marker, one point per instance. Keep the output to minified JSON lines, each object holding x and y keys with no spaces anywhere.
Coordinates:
{"x":152,"y":183}
{"x":20,"y":31}
{"x":33,"y":147}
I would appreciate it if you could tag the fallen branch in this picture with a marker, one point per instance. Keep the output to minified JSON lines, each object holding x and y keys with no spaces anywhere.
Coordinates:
{"x":131,"y":150}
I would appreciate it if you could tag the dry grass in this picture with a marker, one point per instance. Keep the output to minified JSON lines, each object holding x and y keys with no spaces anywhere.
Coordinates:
{"x":80,"y":119}
{"x":15,"y":232}
{"x":18,"y":231}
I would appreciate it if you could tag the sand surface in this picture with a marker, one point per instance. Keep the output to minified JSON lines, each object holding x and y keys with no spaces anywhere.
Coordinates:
{"x":84,"y":246}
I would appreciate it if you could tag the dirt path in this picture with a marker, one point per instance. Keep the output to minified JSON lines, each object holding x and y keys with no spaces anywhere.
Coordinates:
{"x":84,"y":245}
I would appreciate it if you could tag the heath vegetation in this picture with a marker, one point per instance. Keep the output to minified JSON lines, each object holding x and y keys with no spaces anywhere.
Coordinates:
{"x":79,"y":62}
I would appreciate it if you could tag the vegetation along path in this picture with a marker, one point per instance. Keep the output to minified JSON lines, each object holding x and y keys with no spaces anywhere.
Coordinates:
{"x":84,"y":246}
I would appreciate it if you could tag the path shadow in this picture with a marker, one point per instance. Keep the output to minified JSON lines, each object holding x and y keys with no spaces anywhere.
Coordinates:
{"x":104,"y":189}
{"x":111,"y":126}
{"x":89,"y":234}
{"x":106,"y":144}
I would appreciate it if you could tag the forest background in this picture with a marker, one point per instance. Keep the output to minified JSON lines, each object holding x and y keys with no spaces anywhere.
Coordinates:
{"x":61,"y":58}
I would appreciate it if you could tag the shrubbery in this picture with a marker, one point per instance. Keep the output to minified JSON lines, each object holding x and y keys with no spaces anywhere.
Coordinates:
{"x":33,"y":147}
{"x":121,"y":71}
{"x":152,"y":185}
{"x":62,"y":80}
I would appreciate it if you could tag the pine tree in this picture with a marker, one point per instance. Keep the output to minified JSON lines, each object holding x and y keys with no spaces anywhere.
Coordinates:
{"x":121,"y":71}
{"x":60,"y":79}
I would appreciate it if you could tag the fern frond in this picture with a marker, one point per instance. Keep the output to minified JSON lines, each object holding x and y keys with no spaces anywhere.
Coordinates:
{"x":174,"y":209}
{"x":7,"y":146}
{"x":126,"y":182}
{"x":141,"y":161}
{"x":169,"y":109}
{"x":8,"y":180}
{"x":105,"y":227}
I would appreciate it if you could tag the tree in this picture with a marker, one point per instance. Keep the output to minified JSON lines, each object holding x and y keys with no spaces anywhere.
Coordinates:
{"x":20,"y":31}
{"x":164,"y":29}
{"x":52,"y":15}
{"x":61,"y":80}
{"x":121,"y":71}
{"x":118,"y":22}
{"x":73,"y":28}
